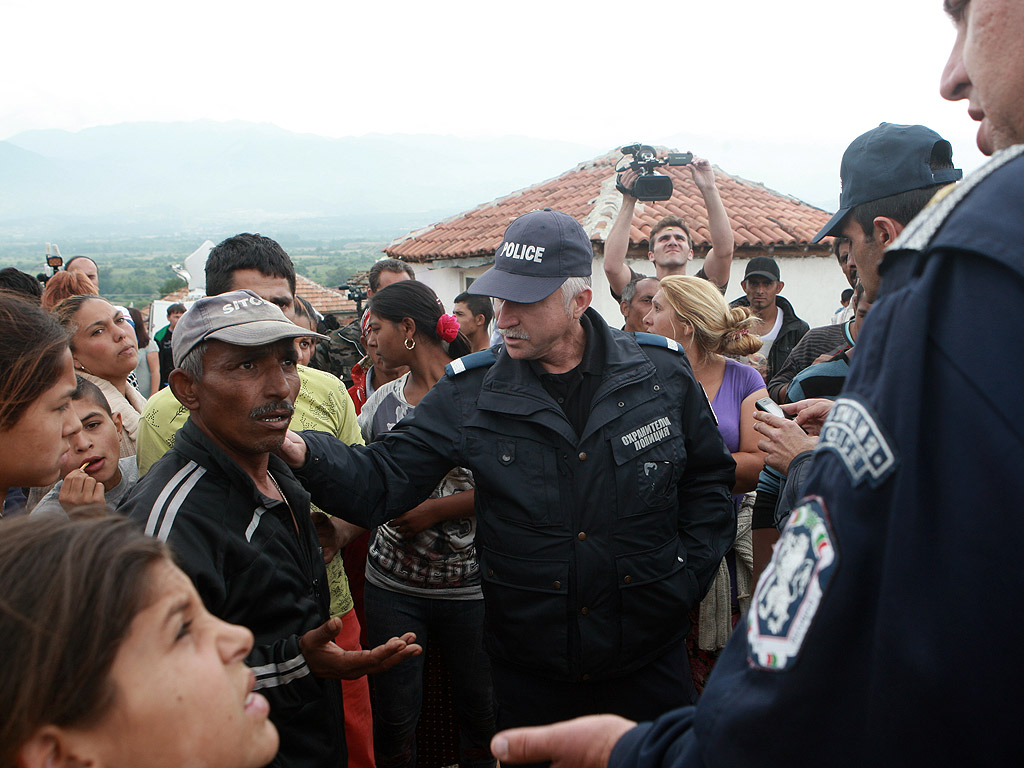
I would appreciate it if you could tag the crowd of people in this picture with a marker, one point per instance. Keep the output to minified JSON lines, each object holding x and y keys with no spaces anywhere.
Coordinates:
{"x":232,"y":542}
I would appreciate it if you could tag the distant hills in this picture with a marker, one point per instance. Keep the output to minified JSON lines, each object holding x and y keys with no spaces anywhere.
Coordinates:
{"x":180,"y":178}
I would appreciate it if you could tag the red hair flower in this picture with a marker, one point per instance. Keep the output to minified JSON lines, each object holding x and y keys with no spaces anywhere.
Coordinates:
{"x":447,"y":327}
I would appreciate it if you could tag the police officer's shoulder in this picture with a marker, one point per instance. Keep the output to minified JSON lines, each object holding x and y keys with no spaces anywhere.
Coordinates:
{"x":654,"y":340}
{"x":483,"y":359}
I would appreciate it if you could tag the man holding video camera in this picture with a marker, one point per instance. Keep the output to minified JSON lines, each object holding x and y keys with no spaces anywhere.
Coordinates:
{"x":670,"y":244}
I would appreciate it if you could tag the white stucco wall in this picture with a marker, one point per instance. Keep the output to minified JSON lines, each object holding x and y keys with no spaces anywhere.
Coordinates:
{"x":812,"y":285}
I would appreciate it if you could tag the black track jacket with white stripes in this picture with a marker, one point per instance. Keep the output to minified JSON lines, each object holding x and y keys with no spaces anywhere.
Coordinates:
{"x":251,"y":567}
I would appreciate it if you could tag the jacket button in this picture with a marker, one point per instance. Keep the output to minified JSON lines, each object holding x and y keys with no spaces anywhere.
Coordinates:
{"x":490,"y":573}
{"x":657,"y":387}
{"x":628,"y":579}
{"x":581,"y":536}
{"x":583,"y":455}
{"x":621,"y":404}
{"x":557,"y":585}
{"x":506,"y":457}
{"x":584,"y":610}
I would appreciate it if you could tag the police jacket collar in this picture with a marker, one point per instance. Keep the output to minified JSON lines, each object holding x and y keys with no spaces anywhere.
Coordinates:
{"x":511,"y":386}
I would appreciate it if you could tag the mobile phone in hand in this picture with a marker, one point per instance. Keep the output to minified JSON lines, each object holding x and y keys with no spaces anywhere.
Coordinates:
{"x":768,"y":405}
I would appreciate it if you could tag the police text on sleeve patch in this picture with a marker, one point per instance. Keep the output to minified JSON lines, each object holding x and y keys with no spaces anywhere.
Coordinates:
{"x":853,"y":433}
{"x":792,"y":587}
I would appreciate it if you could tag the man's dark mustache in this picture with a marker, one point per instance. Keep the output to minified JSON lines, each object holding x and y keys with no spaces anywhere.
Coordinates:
{"x":263,"y":410}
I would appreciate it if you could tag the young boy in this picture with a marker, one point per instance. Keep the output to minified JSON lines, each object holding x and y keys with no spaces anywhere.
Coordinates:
{"x":91,"y":471}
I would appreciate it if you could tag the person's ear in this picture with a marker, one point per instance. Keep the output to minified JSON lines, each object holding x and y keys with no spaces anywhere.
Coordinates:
{"x":51,"y":747}
{"x":408,"y":326}
{"x":624,"y":308}
{"x":650,"y":255}
{"x":581,"y":302}
{"x":886,"y":230}
{"x":183,"y":387}
{"x":118,"y":424}
{"x":781,"y":286}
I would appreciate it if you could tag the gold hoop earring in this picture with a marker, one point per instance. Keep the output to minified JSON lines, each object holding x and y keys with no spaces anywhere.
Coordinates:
{"x":410,"y":346}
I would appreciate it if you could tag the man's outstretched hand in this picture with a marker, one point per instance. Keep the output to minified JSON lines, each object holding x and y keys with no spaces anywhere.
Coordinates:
{"x":326,"y":659}
{"x":585,"y":742}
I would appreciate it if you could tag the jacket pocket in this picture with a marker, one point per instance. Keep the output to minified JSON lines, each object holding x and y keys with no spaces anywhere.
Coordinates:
{"x":656,"y":592}
{"x":648,"y":464}
{"x":516,"y":480}
{"x":526,"y":609}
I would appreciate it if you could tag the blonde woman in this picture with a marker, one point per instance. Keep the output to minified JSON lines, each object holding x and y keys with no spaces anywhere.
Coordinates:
{"x":691,"y":311}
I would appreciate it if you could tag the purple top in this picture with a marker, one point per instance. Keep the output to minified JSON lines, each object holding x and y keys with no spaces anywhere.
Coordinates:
{"x":738,"y":383}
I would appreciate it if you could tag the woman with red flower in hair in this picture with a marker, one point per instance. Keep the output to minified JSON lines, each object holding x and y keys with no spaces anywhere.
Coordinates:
{"x":422,"y":571}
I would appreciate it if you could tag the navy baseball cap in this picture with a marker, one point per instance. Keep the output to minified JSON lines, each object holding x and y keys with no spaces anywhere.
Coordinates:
{"x":541,"y":249}
{"x":763,"y":266}
{"x":889,"y":160}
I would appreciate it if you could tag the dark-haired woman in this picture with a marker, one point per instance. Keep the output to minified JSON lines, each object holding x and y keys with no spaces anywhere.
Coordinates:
{"x":422,"y":572}
{"x":36,"y":383}
{"x":105,"y":352}
{"x":119,"y":664}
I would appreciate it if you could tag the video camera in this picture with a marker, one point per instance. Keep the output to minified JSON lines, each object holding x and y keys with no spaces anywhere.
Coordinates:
{"x":53,"y":260}
{"x":650,"y":185}
{"x":355,"y":293}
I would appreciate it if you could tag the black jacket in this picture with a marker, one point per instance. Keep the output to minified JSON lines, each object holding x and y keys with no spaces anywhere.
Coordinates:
{"x":592,"y":548}
{"x":792,"y":330}
{"x":251,"y":567}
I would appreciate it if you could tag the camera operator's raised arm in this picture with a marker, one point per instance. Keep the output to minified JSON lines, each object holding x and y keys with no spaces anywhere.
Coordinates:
{"x":617,"y":243}
{"x":723,"y":243}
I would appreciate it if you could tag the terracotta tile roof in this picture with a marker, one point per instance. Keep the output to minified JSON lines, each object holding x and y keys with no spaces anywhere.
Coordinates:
{"x":325,"y":300}
{"x":761,"y":217}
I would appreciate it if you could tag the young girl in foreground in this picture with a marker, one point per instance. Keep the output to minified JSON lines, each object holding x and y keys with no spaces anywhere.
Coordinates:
{"x":110,"y":658}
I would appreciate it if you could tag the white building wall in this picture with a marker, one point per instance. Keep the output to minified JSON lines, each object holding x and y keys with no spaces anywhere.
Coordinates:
{"x":812,"y":284}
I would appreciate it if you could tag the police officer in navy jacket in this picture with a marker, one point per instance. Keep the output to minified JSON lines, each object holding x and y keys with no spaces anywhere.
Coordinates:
{"x":602,"y":487}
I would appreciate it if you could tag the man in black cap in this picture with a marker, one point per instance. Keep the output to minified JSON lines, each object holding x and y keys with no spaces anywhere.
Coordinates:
{"x":779,"y":327}
{"x":602,"y":496}
{"x":887,"y":177}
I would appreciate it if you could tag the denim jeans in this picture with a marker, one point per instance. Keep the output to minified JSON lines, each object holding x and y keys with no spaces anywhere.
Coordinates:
{"x":457,"y":628}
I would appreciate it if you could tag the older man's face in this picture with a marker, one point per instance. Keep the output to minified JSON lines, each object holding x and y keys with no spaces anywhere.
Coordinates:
{"x":246,"y":396}
{"x":986,"y":68}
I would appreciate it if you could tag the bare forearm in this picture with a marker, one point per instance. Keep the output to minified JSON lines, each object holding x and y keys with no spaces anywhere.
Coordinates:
{"x":616,"y":246}
{"x":748,"y":468}
{"x":723,"y":242}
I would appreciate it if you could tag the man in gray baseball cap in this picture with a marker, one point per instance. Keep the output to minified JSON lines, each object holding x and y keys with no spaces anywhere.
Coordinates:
{"x":238,"y":317}
{"x":239,"y":522}
{"x":602,"y":487}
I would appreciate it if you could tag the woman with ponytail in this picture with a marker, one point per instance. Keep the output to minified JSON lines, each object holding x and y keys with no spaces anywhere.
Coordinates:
{"x":691,"y":311}
{"x":422,"y":571}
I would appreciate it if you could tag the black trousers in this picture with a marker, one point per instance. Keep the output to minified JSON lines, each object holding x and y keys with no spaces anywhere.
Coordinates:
{"x":524,"y":699}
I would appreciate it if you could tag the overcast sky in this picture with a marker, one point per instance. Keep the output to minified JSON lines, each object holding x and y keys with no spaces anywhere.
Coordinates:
{"x":764,"y":88}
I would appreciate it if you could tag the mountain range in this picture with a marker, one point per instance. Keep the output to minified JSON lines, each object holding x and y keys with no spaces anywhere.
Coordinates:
{"x":185,"y":178}
{"x":175,"y":178}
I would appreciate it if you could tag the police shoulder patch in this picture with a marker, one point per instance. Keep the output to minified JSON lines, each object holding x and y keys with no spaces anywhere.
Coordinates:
{"x":654,"y":340}
{"x":469,"y":362}
{"x":791,"y":589}
{"x":852,"y":432}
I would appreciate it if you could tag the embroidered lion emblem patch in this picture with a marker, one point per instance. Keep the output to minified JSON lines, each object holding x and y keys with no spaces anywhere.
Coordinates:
{"x":791,"y":588}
